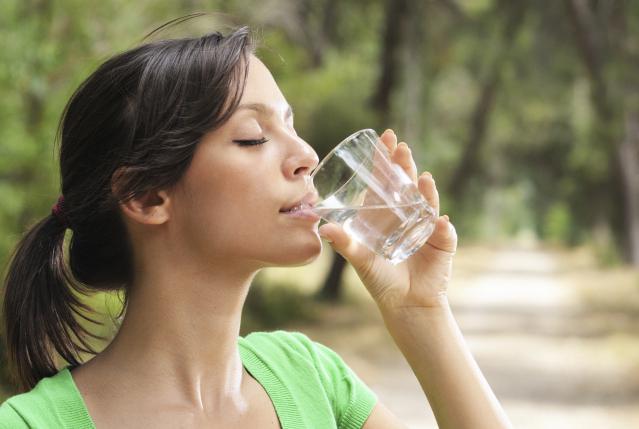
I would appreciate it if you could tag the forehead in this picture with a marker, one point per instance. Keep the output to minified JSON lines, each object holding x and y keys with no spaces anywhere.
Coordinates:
{"x":260,"y":85}
{"x":261,"y":93}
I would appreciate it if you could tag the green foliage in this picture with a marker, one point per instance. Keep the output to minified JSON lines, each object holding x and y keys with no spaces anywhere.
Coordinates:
{"x":542,"y":132}
{"x":329,"y":112}
{"x":557,"y":225}
{"x":275,"y":305}
{"x":544,"y":162}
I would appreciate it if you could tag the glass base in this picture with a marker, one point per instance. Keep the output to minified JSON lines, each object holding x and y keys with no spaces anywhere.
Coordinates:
{"x":409,"y":242}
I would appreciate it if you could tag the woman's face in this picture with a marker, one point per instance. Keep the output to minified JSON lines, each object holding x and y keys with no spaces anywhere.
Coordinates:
{"x":229,"y":201}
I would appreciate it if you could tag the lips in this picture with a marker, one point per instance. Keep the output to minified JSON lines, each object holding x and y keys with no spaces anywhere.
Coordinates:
{"x":301,"y":209}
{"x":296,"y":208}
{"x":306,"y":202}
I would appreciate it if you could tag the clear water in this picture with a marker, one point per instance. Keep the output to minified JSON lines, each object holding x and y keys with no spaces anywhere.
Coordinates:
{"x":392,"y":231}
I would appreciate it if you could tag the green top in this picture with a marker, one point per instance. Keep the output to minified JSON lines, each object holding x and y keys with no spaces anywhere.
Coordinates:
{"x":308,"y":383}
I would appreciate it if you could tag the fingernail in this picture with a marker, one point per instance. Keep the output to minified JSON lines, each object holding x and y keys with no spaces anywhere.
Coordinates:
{"x":388,"y":130}
{"x":447,"y":218}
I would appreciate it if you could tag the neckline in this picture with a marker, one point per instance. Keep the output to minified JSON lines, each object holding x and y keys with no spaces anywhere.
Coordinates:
{"x":75,"y":409}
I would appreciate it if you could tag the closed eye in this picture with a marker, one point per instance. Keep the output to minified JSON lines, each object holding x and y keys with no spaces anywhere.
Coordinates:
{"x":251,"y":142}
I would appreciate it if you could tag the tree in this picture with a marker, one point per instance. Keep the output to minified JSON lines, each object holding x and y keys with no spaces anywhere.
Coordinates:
{"x":396,"y":15}
{"x":611,"y":62}
{"x":468,"y":166}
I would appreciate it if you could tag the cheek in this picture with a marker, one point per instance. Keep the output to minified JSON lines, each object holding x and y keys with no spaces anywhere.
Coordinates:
{"x":231,"y":209}
{"x":235,"y":213}
{"x":243,"y":197}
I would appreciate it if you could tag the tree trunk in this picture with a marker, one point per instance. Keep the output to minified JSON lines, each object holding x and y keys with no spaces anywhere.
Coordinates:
{"x":311,"y":39}
{"x":629,"y":160}
{"x":332,"y":289}
{"x":469,"y":164}
{"x":468,"y":167}
{"x":589,"y":46}
{"x":413,"y":87}
{"x":389,"y":62}
{"x":621,"y":190}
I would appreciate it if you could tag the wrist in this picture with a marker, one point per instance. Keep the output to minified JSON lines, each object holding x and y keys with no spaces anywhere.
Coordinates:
{"x":435,"y":305}
{"x":427,"y":314}
{"x":434,"y":327}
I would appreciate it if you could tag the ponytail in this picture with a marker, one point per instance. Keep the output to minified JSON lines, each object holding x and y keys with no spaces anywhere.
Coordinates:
{"x":40,"y":307}
{"x":141,"y":113}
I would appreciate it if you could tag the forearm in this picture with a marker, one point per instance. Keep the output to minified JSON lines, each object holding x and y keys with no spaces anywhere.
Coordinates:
{"x":431,"y":342}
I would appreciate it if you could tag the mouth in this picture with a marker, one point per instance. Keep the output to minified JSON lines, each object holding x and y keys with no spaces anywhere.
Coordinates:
{"x":302,"y":208}
{"x":297,"y":208}
{"x":306,"y":202}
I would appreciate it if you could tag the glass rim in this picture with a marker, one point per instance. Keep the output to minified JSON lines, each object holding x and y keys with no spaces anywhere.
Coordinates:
{"x":330,"y":154}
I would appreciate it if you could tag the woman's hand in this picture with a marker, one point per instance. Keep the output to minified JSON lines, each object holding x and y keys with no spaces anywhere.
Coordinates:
{"x":412,"y":299}
{"x":421,"y":280}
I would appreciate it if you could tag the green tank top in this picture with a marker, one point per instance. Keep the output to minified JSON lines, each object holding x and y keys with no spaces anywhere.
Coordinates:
{"x":308,"y":383}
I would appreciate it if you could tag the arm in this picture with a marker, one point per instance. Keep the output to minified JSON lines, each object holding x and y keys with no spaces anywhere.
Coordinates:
{"x":431,"y":342}
{"x":457,"y":391}
{"x":383,"y":418}
{"x":412,"y":298}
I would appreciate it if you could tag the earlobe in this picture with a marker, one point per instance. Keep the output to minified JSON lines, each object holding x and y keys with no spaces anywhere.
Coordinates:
{"x":152,"y":208}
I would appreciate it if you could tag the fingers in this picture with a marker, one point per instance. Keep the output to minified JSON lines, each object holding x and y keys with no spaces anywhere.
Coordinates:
{"x":428,"y":189}
{"x":404,"y":158}
{"x":389,"y":139}
{"x":358,"y":255}
{"x":400,"y":153}
{"x":444,"y":237}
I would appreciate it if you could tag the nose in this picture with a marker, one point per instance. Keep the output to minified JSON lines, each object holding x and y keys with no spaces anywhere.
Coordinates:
{"x":302,"y":161}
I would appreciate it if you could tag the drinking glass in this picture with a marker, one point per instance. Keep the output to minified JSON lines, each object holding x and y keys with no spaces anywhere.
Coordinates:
{"x":372,"y":198}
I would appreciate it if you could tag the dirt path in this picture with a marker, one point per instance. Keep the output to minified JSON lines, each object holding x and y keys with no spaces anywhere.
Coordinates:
{"x":557,"y":340}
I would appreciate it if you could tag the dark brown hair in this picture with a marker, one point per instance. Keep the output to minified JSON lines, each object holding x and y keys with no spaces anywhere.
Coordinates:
{"x":132,"y":126}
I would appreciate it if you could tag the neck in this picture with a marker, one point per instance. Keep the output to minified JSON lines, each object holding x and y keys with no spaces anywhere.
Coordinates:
{"x":180,"y":334}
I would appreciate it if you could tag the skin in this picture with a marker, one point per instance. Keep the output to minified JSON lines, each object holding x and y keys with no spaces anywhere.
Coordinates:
{"x":412,"y":299}
{"x":197,"y":247}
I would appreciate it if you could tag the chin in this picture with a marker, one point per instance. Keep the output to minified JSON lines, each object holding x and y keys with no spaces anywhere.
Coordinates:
{"x":295,"y":256}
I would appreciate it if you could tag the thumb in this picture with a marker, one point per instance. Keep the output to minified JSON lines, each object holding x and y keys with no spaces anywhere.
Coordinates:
{"x":356,"y":253}
{"x":445,"y":236}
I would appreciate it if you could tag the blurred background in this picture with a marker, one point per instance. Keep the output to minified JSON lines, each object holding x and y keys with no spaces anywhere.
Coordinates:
{"x":527,"y":114}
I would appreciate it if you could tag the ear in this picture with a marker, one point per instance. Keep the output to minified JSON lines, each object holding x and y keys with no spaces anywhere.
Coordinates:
{"x":152,"y":208}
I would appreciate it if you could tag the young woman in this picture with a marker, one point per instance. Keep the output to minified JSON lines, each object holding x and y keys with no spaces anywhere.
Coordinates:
{"x":178,"y":159}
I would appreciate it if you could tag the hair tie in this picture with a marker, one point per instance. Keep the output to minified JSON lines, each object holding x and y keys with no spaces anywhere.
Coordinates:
{"x":58,"y":211}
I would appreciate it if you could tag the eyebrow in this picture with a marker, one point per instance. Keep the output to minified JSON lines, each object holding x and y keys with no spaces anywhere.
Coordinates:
{"x":265,"y":109}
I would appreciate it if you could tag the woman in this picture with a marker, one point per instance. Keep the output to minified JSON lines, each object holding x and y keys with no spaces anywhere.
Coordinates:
{"x":177,"y":160}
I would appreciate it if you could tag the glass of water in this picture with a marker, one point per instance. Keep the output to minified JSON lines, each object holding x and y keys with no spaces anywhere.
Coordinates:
{"x":372,"y":198}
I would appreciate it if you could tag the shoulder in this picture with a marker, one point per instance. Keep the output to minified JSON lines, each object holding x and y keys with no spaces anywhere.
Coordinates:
{"x":21,"y":411}
{"x":291,"y":349}
{"x":43,"y":406}
{"x":295,"y":356}
{"x":280,"y":341}
{"x":9,"y":416}
{"x":294,"y":348}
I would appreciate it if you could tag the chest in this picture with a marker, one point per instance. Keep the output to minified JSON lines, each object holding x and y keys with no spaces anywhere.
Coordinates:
{"x":266,"y":418}
{"x":136,"y":414}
